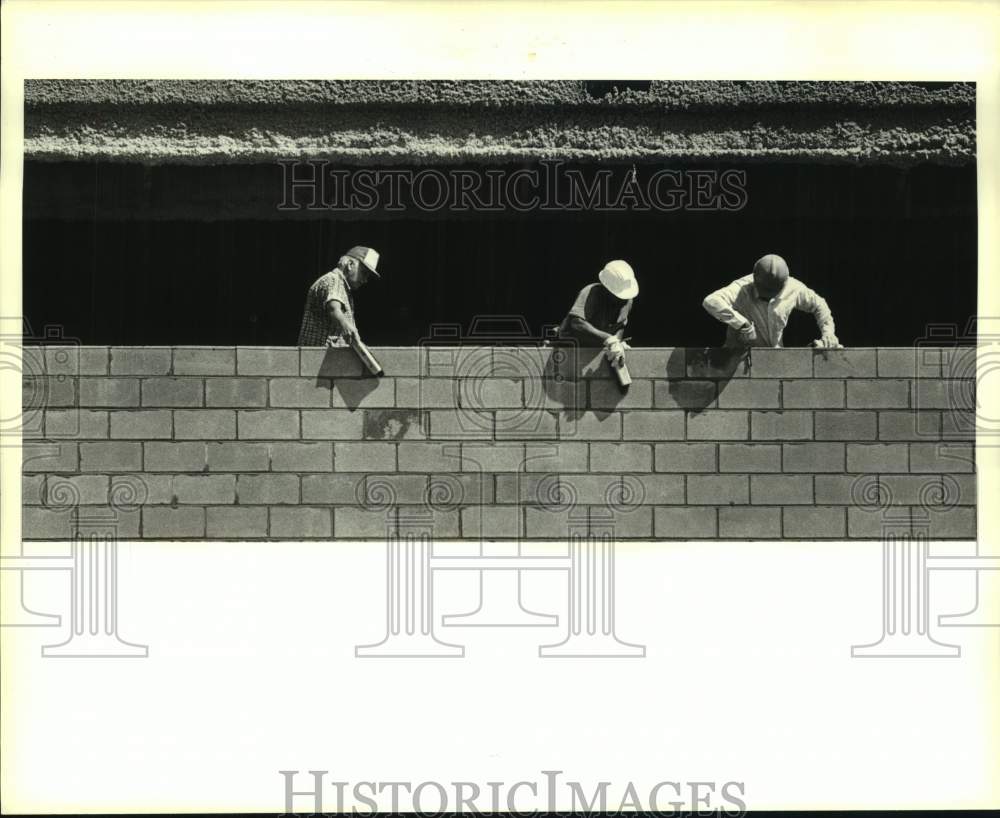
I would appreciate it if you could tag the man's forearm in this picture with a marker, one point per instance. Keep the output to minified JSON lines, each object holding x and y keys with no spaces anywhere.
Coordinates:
{"x":584,"y":327}
{"x":721,"y":310}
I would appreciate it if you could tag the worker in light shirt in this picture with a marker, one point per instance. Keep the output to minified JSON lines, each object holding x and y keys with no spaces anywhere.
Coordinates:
{"x":756,"y":307}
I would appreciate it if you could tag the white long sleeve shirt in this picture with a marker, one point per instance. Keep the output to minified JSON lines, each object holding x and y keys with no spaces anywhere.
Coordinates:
{"x":737,"y":303}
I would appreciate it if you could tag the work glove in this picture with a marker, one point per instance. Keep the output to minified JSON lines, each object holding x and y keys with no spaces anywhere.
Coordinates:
{"x":614,"y":349}
{"x":828,"y":341}
{"x":748,"y":333}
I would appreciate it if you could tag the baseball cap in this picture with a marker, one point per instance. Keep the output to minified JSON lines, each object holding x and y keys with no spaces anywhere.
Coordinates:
{"x":366,"y":256}
{"x":770,"y":273}
{"x":619,"y":278}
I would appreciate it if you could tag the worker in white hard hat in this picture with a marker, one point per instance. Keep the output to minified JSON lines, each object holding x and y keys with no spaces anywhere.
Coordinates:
{"x":600,"y":312}
{"x":756,"y":307}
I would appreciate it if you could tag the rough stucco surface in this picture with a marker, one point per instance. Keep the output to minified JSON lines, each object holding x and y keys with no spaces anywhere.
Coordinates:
{"x":386,"y":122}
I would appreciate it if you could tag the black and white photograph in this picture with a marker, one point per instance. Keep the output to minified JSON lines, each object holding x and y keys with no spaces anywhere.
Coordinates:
{"x":409,"y":439}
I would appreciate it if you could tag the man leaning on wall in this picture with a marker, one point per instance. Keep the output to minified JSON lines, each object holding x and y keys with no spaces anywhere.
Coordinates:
{"x":756,"y":307}
{"x":328,"y":318}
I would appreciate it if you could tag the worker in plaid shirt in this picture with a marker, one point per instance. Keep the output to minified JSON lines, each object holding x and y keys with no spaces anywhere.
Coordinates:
{"x":328,"y":319}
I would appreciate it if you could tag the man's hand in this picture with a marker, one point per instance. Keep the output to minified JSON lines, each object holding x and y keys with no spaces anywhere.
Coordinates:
{"x":827,"y":342}
{"x":348,"y":331}
{"x":614,"y":348}
{"x":748,"y":333}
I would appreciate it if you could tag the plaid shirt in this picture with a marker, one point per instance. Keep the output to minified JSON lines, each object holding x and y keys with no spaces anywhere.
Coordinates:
{"x":316,"y":324}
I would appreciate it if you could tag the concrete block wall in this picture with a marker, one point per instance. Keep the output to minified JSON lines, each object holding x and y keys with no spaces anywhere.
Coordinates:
{"x":498,"y":442}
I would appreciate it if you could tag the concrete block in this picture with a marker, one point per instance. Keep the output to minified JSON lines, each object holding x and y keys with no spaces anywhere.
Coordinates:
{"x":790,"y":425}
{"x":541,"y":523}
{"x":302,"y":457}
{"x":866,"y":524}
{"x":843,"y":425}
{"x":526,"y":424}
{"x":107,"y":456}
{"x":908,"y":362}
{"x":717,"y":490}
{"x":815,"y":523}
{"x":780,"y":489}
{"x":140,"y":360}
{"x":275,"y":424}
{"x":399,"y":361}
{"x":426,"y":393}
{"x":942,"y":394}
{"x":238,"y":456}
{"x":71,"y":491}
{"x":236,"y":522}
{"x":635,"y":523}
{"x":332,"y":489}
{"x":199,"y":489}
{"x":657,"y":363}
{"x":45,"y":392}
{"x":340,"y":362}
{"x":749,"y":523}
{"x":716,"y":363}
{"x":685,"y":457}
{"x":491,"y":522}
{"x":954,"y":524}
{"x":394,"y":489}
{"x":205,"y":424}
{"x":608,"y":394}
{"x":663,"y":424}
{"x":189,"y":457}
{"x":812,"y":394}
{"x":140,"y":424}
{"x":683,"y":394}
{"x":353,"y":393}
{"x":570,"y":395}
{"x":911,"y":489}
{"x":73,"y":360}
{"x":835,"y":489}
{"x":590,"y":426}
{"x":500,"y":457}
{"x":553,"y":491}
{"x":303,"y":522}
{"x":962,"y":486}
{"x":813,"y":457}
{"x":651,"y":489}
{"x":621,"y":457}
{"x":32,"y":489}
{"x":164,"y":522}
{"x":267,"y":361}
{"x":171,"y":392}
{"x":332,"y":424}
{"x":98,"y":392}
{"x":717,"y":425}
{"x":749,"y":457}
{"x":878,"y":394}
{"x":954,"y":458}
{"x":780,"y":363}
{"x":557,"y":458}
{"x":874,"y":458}
{"x":204,"y":360}
{"x":46,"y":456}
{"x":909,"y":425}
{"x":461,"y":424}
{"x":959,"y":425}
{"x":480,"y":394}
{"x":131,"y":490}
{"x":362,"y":524}
{"x":267,"y":489}
{"x":685,"y":523}
{"x":236,"y":392}
{"x":394,"y":424}
{"x":429,"y":456}
{"x":299,"y":392}
{"x":39,"y":523}
{"x":749,"y":394}
{"x":76,"y":423}
{"x":364,"y":457}
{"x":844,"y":363}
{"x":447,"y":491}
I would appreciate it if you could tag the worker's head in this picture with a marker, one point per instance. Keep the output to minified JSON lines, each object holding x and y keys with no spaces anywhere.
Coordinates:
{"x":358,"y":265}
{"x":769,"y":276}
{"x":619,"y":280}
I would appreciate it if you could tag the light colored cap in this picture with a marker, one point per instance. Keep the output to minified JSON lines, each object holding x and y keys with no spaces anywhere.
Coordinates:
{"x":366,"y":256}
{"x":619,"y":278}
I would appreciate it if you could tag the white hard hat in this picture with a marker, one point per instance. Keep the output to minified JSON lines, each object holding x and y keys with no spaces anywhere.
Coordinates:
{"x":618,"y":277}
